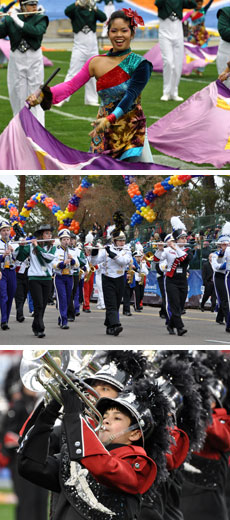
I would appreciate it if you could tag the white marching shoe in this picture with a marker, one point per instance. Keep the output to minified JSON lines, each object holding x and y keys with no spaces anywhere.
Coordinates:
{"x":177,"y":98}
{"x":165,"y":97}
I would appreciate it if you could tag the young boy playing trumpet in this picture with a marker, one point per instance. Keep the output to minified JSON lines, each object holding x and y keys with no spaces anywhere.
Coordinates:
{"x":95,"y":477}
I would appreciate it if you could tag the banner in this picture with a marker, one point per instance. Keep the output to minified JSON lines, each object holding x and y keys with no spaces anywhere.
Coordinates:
{"x":152,"y":295}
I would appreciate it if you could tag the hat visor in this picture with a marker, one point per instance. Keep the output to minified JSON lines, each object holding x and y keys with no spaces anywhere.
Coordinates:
{"x":106,"y":379}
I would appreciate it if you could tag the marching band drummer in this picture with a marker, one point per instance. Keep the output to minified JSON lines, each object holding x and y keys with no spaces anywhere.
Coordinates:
{"x":63,"y":265}
{"x":40,"y":273}
{"x":25,"y":69}
{"x":8,"y":281}
{"x":116,"y":257}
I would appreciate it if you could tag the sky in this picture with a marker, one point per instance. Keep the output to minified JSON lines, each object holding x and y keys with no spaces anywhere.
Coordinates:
{"x":9,"y":179}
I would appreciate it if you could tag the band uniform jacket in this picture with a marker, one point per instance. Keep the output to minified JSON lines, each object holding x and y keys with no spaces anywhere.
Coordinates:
{"x":204,"y":489}
{"x":90,"y":481}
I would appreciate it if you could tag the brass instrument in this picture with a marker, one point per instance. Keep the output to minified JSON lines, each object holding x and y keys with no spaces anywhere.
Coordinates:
{"x":40,"y":370}
{"x":130,"y":273}
{"x":142,"y":275}
{"x":92,"y":270}
{"x":149,"y":256}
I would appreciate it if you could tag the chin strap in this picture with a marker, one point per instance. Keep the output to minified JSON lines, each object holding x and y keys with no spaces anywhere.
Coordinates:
{"x":119,"y":434}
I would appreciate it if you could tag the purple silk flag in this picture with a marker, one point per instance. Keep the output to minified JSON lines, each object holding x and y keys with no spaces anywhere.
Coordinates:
{"x":27,"y":145}
{"x":194,"y":57}
{"x":198,"y":130}
{"x":5,"y":53}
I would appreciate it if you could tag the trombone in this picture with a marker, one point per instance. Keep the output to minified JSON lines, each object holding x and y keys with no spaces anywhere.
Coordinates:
{"x":40,"y":370}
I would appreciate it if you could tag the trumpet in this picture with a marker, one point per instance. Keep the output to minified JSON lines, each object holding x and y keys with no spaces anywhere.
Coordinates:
{"x":40,"y":370}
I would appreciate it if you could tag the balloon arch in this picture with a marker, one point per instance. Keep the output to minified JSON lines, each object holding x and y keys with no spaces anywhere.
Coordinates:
{"x":144,"y":205}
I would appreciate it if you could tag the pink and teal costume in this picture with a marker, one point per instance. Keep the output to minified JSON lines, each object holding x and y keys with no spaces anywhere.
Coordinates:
{"x":119,"y":91}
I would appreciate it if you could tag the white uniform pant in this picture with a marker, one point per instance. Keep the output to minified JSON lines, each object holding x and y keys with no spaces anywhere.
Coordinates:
{"x":223,"y":57}
{"x":171,"y":43}
{"x":108,"y":10}
{"x":84,"y":47}
{"x":100,"y":300}
{"x":25,"y":74}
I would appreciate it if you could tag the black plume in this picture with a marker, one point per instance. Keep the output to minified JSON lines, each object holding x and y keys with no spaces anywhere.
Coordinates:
{"x":134,"y":363}
{"x":158,"y":443}
{"x":179,"y":373}
{"x":118,"y":218}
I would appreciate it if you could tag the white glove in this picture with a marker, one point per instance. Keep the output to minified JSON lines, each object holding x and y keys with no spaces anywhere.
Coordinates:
{"x":16,"y":19}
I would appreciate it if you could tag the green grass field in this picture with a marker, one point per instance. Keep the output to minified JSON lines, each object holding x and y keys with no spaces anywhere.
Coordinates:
{"x":74,"y":132}
{"x":7,"y":512}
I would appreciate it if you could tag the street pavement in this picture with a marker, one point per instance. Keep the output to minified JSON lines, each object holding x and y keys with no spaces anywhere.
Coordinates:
{"x":144,"y":329}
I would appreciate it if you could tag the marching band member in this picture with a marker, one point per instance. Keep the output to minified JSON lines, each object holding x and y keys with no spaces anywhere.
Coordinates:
{"x":204,"y":489}
{"x":141,"y":271}
{"x":177,"y":259}
{"x":40,"y":273}
{"x":63,"y":265}
{"x":109,"y":9}
{"x":22,"y":288}
{"x":115,"y":258}
{"x":98,"y":281}
{"x":73,"y":308}
{"x":219,"y":269}
{"x":25,"y":69}
{"x":99,"y":477}
{"x":84,"y":15}
{"x":8,"y":281}
{"x":88,"y":278}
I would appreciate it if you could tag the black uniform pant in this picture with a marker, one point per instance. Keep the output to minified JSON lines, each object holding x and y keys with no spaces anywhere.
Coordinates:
{"x":21,"y":293}
{"x":209,"y":290}
{"x":201,"y":503}
{"x":222,"y":297}
{"x":138,"y":295}
{"x":113,"y":290}
{"x":32,"y":499}
{"x":176,"y":294}
{"x":160,"y":281}
{"x":128,"y":291}
{"x":40,"y":291}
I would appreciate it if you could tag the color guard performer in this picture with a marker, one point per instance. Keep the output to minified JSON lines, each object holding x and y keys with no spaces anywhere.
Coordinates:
{"x":63,"y":265}
{"x":8,"y":281}
{"x":25,"y":69}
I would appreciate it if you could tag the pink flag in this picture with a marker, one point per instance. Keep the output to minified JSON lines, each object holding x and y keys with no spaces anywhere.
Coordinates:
{"x":198,"y":130}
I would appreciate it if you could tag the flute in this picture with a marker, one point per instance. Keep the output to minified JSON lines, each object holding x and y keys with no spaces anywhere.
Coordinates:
{"x":22,"y":14}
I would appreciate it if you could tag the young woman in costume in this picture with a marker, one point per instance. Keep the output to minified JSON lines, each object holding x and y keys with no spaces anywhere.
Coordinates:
{"x":120,"y":127}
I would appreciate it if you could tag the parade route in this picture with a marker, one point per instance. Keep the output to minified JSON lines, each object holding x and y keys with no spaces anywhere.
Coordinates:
{"x":141,"y":329}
